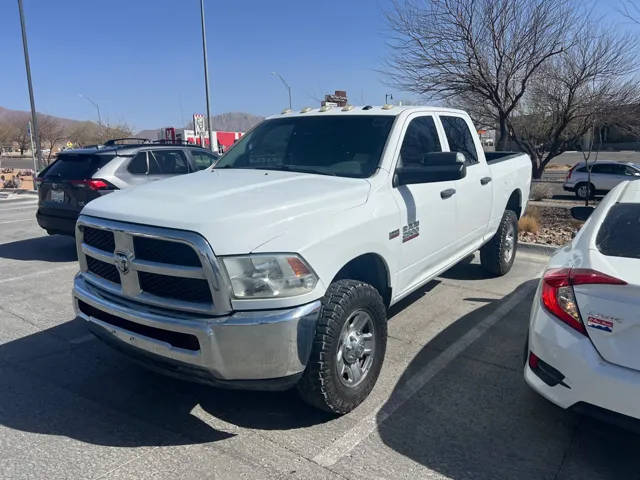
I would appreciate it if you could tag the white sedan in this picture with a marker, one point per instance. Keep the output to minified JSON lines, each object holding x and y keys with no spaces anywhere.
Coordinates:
{"x":583,"y":347}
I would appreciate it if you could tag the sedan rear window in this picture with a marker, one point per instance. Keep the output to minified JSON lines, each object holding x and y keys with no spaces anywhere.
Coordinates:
{"x":73,"y":166}
{"x":620,"y":230}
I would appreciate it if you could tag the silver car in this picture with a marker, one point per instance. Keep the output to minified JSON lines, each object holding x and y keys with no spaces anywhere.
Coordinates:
{"x":79,"y":176}
{"x":605,"y":175}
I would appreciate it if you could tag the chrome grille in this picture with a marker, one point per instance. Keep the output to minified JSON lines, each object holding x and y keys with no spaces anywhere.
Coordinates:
{"x":161,"y":267}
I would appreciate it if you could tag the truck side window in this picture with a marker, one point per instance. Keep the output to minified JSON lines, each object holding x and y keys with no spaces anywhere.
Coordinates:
{"x":138,"y":164}
{"x":421,"y":137}
{"x":460,"y":138}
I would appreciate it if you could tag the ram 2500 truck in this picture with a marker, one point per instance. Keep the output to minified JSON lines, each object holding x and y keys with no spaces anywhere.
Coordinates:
{"x":276,"y":267}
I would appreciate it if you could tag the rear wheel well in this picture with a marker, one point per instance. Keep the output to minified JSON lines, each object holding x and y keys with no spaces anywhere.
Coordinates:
{"x":369,"y":268}
{"x":515,"y":203}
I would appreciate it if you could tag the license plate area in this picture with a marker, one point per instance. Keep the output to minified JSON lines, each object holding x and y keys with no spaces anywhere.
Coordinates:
{"x":57,"y":196}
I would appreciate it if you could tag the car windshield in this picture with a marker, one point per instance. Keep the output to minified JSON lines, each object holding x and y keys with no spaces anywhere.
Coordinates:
{"x":345,"y":146}
{"x":620,"y":226}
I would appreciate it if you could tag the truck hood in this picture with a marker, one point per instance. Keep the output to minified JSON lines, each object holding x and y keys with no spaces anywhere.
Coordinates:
{"x":236,"y":210}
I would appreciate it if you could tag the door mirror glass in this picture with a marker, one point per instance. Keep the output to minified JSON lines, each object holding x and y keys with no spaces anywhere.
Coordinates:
{"x":581,"y":213}
{"x":435,"y":167}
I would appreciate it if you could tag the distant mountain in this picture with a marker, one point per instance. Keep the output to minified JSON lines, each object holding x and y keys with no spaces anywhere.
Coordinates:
{"x":228,"y":122}
{"x":10,"y":116}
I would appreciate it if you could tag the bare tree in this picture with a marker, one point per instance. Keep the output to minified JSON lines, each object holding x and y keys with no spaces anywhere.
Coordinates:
{"x":21,"y":134}
{"x":631,"y":10}
{"x":7,"y":134}
{"x":52,"y":134}
{"x":572,"y":94}
{"x":480,"y":52}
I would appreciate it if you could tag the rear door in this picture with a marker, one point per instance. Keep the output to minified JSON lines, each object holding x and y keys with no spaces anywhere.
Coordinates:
{"x":603,"y":176}
{"x":474,"y":193}
{"x":62,"y":186}
{"x":611,"y":313}
{"x":165,"y":163}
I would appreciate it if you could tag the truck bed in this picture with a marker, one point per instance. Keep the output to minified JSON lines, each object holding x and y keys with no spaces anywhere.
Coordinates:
{"x":496,"y":157}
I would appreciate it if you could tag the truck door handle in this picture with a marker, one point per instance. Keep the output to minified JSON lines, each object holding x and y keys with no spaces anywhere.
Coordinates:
{"x":485,"y":180}
{"x":449,"y":192}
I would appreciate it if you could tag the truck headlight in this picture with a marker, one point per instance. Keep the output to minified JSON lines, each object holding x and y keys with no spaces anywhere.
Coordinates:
{"x":269,"y":275}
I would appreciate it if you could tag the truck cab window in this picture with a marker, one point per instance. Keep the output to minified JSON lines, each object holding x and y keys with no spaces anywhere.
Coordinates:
{"x":460,"y":138}
{"x":421,"y":137}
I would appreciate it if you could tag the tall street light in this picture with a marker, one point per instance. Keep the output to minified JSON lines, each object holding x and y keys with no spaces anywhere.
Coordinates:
{"x":34,"y":117}
{"x":286,"y":85}
{"x":206,"y":74}
{"x":95,"y":104}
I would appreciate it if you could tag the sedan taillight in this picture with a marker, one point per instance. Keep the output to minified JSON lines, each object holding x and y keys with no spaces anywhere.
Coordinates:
{"x":557,"y":292}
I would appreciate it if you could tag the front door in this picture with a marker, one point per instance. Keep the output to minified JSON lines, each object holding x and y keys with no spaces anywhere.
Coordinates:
{"x":428,"y":210}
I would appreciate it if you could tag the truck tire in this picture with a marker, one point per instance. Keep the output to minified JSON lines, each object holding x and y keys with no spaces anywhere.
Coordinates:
{"x":498,"y":255}
{"x":348,"y":348}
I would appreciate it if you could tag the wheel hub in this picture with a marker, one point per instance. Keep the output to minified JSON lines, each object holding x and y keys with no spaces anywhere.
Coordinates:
{"x":353,"y":348}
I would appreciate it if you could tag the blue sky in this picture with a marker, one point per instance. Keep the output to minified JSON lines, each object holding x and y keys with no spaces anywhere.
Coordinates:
{"x":142,"y":62}
{"x":141,"y":59}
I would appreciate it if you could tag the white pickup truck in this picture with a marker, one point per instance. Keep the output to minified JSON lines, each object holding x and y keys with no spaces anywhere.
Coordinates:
{"x":276,"y":267}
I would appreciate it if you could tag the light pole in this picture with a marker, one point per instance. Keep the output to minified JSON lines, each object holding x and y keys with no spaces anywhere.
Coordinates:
{"x":286,"y":85}
{"x":95,"y":104}
{"x":34,"y":117}
{"x":206,"y":74}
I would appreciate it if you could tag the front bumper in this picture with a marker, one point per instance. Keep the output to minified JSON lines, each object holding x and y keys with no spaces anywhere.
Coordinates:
{"x":589,"y":378}
{"x":265,"y":349}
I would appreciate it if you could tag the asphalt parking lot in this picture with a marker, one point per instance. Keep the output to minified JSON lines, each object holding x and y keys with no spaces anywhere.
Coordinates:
{"x":450,"y":402}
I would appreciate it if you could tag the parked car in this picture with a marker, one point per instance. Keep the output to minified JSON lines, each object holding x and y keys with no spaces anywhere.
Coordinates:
{"x":605,"y":175}
{"x":276,"y":267}
{"x":79,"y":176}
{"x":582,"y":349}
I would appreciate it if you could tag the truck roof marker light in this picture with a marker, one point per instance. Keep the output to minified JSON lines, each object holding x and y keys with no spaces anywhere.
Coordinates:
{"x":347,"y":108}
{"x":305,"y":110}
{"x":387,"y":106}
{"x":325,"y":108}
{"x":285,"y":111}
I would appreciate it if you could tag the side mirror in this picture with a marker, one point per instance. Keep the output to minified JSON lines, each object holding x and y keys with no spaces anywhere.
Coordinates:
{"x":581,"y":213}
{"x":435,"y":167}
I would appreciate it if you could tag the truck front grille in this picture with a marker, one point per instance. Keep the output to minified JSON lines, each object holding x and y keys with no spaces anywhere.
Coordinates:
{"x":188,"y":289}
{"x":161,"y":267}
{"x":162,"y":251}
{"x":102,"y":239}
{"x":103,"y":269}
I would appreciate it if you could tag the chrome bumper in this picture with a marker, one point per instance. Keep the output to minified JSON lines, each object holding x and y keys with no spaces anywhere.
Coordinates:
{"x":243,"y":346}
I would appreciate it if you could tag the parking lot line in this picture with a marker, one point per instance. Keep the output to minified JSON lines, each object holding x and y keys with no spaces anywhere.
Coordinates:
{"x":40,"y":272}
{"x":16,"y":221}
{"x":343,"y":445}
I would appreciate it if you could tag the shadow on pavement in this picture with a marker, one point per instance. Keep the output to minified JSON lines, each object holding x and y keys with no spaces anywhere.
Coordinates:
{"x":123,"y":404}
{"x":478,"y":419}
{"x":56,"y":248}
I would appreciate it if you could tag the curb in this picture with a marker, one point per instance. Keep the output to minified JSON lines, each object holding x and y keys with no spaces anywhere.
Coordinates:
{"x":538,"y":248}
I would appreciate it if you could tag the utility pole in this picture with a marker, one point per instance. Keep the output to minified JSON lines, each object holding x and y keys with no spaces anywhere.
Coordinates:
{"x":286,"y":85}
{"x":206,"y":75}
{"x":34,"y":117}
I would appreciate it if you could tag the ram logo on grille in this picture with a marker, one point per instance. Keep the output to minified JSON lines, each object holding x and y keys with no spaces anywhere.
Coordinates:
{"x":122,"y":261}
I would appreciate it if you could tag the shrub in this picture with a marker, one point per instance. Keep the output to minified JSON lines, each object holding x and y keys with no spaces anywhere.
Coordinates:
{"x":529,"y":223}
{"x":541,"y":191}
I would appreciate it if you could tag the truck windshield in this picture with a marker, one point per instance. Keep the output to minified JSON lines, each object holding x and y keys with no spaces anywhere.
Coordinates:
{"x":345,"y":146}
